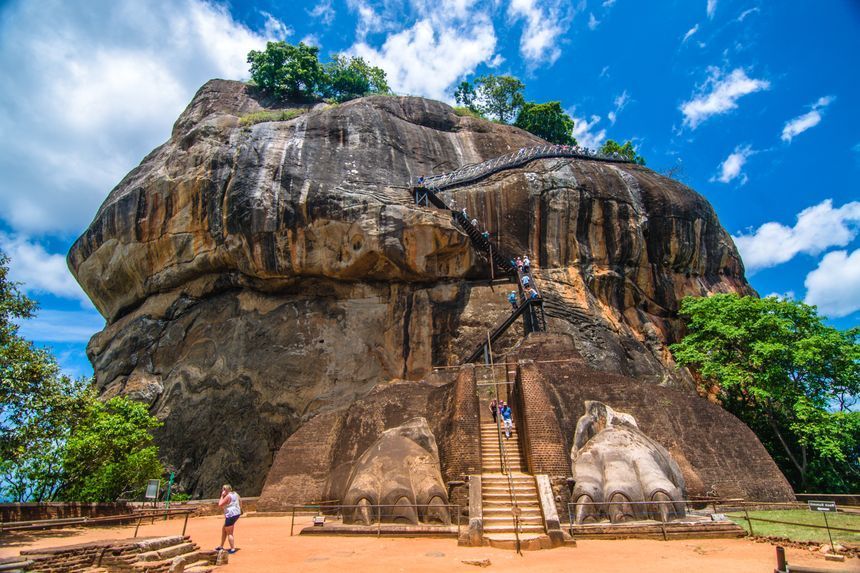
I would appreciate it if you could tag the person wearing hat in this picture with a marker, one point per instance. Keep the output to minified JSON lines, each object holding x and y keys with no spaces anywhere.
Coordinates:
{"x":512,"y":298}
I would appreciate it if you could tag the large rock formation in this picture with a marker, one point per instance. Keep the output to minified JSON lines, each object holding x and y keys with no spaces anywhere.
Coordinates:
{"x":254,"y":277}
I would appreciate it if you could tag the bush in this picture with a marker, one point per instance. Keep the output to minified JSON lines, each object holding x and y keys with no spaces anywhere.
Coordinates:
{"x":270,"y":115}
{"x":463,"y":111}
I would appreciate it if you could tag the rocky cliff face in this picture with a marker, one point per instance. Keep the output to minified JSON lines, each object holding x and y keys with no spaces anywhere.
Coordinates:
{"x":254,"y":277}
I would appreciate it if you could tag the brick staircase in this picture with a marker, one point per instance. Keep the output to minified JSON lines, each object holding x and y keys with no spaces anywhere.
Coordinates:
{"x":497,"y":498}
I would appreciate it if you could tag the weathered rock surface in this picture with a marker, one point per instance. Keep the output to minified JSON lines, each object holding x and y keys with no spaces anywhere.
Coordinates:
{"x":255,"y":277}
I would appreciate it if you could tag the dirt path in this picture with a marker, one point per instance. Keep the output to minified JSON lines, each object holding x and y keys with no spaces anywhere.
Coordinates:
{"x":266,"y":547}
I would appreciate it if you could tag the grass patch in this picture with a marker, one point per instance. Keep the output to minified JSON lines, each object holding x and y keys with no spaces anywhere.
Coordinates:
{"x":798,"y":532}
{"x":466,"y":112}
{"x":270,"y":115}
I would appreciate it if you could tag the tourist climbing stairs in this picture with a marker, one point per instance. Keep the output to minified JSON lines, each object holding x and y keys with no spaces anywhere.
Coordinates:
{"x":482,"y":244}
{"x":509,"y":497}
{"x":526,"y":306}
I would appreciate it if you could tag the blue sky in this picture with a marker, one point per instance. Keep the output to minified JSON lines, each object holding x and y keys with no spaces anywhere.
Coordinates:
{"x":756,"y":102}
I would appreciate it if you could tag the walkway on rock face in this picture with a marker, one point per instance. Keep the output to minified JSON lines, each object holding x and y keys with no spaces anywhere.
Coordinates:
{"x":477,"y":171}
{"x":530,"y":308}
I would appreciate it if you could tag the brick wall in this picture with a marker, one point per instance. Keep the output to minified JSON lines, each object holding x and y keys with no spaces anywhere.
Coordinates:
{"x":460,"y":443}
{"x":59,"y":510}
{"x":538,"y":428}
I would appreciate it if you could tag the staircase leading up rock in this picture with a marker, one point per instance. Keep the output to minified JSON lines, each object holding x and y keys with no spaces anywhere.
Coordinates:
{"x":503,"y":495}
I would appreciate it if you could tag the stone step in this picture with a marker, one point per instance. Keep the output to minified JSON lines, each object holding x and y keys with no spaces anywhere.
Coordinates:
{"x":509,"y":521}
{"x":167,"y":552}
{"x":199,"y":567}
{"x":165,"y":564}
{"x":524,"y":528}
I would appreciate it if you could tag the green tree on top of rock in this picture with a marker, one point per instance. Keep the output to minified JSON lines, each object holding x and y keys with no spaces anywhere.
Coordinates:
{"x":548,"y":121}
{"x":627,"y":151}
{"x":498,"y":97}
{"x":791,"y":378}
{"x":295,"y":72}
{"x":287,"y":71}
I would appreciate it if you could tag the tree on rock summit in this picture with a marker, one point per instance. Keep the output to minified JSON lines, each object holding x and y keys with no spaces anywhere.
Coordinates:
{"x":548,"y":121}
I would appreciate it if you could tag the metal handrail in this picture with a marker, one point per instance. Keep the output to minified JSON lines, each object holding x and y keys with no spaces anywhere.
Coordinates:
{"x":514,"y":159}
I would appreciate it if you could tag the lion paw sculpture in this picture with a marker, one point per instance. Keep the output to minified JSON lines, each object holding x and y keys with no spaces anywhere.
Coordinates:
{"x":398,"y":479}
{"x":614,"y":465}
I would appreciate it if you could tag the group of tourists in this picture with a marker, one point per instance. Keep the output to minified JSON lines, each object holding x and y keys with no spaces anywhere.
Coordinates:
{"x":524,"y":266}
{"x":501,"y":408}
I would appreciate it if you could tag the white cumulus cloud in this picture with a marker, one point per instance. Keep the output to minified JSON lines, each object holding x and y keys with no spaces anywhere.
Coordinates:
{"x":545,"y":25}
{"x":324,"y":12}
{"x":585,"y":131}
{"x":719,"y":94}
{"x":593,"y":22}
{"x":427,"y":59}
{"x":730,"y":169}
{"x":90,"y":88}
{"x":808,"y":120}
{"x":834,"y":287}
{"x":76,"y":326}
{"x":39,"y":271}
{"x":817,"y":228}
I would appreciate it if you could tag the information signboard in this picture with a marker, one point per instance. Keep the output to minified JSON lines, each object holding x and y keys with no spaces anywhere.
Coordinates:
{"x":822,"y":505}
{"x":152,"y":489}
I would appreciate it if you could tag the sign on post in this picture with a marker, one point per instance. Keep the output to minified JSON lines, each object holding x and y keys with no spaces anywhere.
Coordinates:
{"x":822,"y":505}
{"x":152,"y":489}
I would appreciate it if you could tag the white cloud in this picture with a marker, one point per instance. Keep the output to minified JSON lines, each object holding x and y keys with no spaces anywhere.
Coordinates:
{"x":818,"y":228}
{"x":427,"y":59}
{"x":274,"y":28}
{"x":711,"y":8}
{"x":834,"y":287}
{"x":323,"y":12}
{"x":719,"y":94}
{"x":311,"y":40}
{"x":584,"y":131}
{"x":89,"y":89}
{"x":62,"y":326}
{"x":608,"y":3}
{"x":620,"y":102}
{"x":368,"y":19}
{"x":730,"y":169}
{"x":689,"y":33}
{"x":39,"y":271}
{"x":604,"y":73}
{"x":497,"y":61}
{"x":592,"y":22}
{"x":801,"y":123}
{"x":544,"y":26}
{"x":746,"y":13}
{"x":787,"y":295}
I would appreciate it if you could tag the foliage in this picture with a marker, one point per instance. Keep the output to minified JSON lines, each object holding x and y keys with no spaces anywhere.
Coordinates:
{"x":295,"y":72}
{"x":350,"y":78}
{"x":801,"y":517}
{"x":790,"y":377}
{"x":287,"y":71}
{"x":270,"y":115}
{"x":548,"y":121}
{"x":43,"y":414}
{"x":627,"y":151}
{"x":498,"y":97}
{"x":463,"y":111}
{"x":109,"y":449}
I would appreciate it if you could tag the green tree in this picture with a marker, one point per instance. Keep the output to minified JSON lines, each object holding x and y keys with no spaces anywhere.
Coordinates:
{"x":287,"y":71}
{"x":499,"y":97}
{"x":465,"y":95}
{"x":626,"y":151}
{"x":548,"y":121}
{"x":790,"y":377}
{"x":349,"y":78}
{"x":42,"y":413}
{"x":109,"y":450}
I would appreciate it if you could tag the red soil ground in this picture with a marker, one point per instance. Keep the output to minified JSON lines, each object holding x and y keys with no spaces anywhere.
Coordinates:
{"x":265,"y":546}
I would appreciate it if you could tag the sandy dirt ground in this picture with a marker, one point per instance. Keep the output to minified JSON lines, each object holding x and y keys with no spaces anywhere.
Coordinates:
{"x":265,"y":546}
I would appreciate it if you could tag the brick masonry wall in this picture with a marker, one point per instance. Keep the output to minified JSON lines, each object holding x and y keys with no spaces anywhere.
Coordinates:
{"x":315,"y":463}
{"x":712,"y":447}
{"x":540,"y":434}
{"x":60,"y":510}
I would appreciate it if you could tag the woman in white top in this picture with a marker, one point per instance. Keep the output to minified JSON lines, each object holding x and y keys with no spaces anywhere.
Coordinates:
{"x":232,"y":510}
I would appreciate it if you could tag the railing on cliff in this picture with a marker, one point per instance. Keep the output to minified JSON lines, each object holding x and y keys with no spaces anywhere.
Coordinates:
{"x":477,"y":171}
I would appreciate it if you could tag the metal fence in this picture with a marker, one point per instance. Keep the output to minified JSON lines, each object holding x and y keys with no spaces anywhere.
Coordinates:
{"x":514,"y":159}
